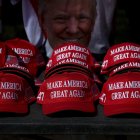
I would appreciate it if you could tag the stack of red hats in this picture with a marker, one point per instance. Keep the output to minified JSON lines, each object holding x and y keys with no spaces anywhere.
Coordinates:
{"x":71,"y":56}
{"x":121,"y":92}
{"x":19,"y":67}
{"x":69,"y":82}
{"x":121,"y":57}
{"x":27,"y":56}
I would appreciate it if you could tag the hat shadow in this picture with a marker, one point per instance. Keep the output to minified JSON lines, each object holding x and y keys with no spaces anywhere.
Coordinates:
{"x":71,"y":113}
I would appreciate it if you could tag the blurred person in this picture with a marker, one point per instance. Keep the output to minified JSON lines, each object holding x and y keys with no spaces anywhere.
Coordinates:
{"x":67,"y":21}
{"x":99,"y":42}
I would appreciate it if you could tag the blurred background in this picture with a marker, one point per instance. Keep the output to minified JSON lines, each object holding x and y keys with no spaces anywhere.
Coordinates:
{"x":125,"y":24}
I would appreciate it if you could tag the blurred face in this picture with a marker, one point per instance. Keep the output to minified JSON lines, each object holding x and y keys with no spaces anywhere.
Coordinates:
{"x":67,"y":21}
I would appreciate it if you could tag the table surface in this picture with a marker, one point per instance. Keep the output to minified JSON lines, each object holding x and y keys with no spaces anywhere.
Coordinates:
{"x":37,"y":123}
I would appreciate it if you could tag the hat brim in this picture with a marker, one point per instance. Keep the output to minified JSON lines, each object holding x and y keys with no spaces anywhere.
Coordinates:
{"x":68,"y":67}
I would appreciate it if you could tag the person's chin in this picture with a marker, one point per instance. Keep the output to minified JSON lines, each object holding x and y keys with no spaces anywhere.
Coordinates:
{"x":76,"y":41}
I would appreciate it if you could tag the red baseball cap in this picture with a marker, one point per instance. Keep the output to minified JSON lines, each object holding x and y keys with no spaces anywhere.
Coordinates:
{"x":68,"y":68}
{"x":72,"y":68}
{"x":73,"y":54}
{"x":121,"y":94}
{"x":67,"y":91}
{"x":13,"y":65}
{"x":120,"y":54}
{"x":15,"y":93}
{"x":129,"y":66}
{"x":27,"y":53}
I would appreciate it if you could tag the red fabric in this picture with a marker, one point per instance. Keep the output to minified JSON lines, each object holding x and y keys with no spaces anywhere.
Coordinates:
{"x":13,"y":61}
{"x":16,"y":93}
{"x":129,"y":66}
{"x":67,"y":91}
{"x":12,"y":64}
{"x":120,"y":54}
{"x":27,"y":54}
{"x":121,"y":94}
{"x":59,"y":69}
{"x":73,"y":54}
